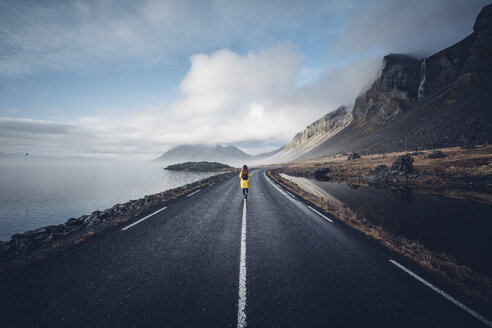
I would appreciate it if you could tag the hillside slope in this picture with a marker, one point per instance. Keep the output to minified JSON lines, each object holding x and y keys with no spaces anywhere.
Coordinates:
{"x":315,"y":134}
{"x":441,"y":101}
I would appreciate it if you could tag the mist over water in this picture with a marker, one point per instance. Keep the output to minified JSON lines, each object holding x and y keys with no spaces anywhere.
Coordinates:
{"x":36,"y":192}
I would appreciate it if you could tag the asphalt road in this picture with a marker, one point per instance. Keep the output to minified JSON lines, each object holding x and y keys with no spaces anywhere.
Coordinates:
{"x":181,"y":268}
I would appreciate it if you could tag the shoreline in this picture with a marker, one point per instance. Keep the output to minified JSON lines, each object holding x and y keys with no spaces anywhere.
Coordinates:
{"x":33,"y":245}
{"x":460,"y":173}
{"x":428,"y":177}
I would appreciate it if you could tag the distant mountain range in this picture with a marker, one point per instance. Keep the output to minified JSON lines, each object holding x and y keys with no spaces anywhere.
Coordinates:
{"x":443,"y":100}
{"x":223,"y":154}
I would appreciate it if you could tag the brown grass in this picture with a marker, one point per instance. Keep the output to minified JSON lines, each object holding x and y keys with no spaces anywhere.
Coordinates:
{"x":119,"y":221}
{"x":458,"y":161}
{"x":84,"y":237}
{"x":437,"y":176}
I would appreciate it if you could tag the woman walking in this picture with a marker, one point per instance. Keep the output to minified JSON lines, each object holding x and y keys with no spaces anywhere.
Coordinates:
{"x":244,"y":176}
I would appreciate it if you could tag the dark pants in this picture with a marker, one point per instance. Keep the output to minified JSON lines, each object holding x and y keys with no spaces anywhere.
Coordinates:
{"x":245,"y":191}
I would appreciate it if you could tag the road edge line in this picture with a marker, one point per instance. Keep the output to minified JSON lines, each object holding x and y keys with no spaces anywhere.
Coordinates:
{"x":145,"y":218}
{"x":193,"y":193}
{"x":443,"y":294}
{"x":290,"y":194}
{"x":320,"y":214}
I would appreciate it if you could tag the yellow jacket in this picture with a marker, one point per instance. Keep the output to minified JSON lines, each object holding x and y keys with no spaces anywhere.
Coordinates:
{"x":244,"y":183}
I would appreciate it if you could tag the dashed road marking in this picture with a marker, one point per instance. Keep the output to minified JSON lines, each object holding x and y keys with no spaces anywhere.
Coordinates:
{"x":241,"y":313}
{"x":145,"y":218}
{"x":294,"y":200}
{"x":193,"y":193}
{"x":212,"y":184}
{"x":290,"y":194}
{"x":320,"y":214}
{"x":443,"y":294}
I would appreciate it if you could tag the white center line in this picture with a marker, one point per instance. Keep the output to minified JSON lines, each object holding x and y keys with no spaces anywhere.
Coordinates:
{"x":145,"y":218}
{"x":443,"y":294}
{"x":241,"y":313}
{"x":193,"y":193}
{"x":312,"y":209}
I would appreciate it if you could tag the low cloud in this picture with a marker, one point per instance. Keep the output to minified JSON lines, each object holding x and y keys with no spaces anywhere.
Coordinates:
{"x":421,"y":27}
{"x":33,"y":129}
{"x":225,"y":98}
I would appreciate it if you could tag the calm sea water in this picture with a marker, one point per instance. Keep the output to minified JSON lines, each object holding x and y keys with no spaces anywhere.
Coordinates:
{"x":40,"y":193}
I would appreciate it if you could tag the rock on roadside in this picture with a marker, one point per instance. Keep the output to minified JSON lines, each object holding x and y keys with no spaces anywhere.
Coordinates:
{"x":436,"y":154}
{"x":353,"y":156}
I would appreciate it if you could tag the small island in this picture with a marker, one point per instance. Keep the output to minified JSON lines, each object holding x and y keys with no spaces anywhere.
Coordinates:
{"x":199,"y":167}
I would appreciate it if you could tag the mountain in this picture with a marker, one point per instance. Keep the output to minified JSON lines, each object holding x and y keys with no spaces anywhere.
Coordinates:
{"x":443,"y":100}
{"x":315,"y":134}
{"x":223,"y":154}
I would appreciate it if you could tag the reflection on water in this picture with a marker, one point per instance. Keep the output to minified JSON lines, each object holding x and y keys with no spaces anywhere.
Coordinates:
{"x":457,"y":227}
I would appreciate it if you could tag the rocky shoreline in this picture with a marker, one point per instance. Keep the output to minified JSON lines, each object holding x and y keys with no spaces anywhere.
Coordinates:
{"x":32,"y":245}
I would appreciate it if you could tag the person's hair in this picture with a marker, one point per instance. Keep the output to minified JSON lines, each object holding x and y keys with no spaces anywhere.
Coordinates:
{"x":245,"y":168}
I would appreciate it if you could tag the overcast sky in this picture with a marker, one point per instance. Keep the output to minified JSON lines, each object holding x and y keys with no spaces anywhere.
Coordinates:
{"x":129,"y":79}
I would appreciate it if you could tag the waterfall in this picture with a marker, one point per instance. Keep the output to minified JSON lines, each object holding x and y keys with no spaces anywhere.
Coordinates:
{"x":420,"y":92}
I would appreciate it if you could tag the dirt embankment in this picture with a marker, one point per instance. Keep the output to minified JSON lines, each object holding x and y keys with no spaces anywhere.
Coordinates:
{"x":454,"y":172}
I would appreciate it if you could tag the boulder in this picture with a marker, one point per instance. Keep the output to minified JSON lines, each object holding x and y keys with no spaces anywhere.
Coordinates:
{"x":74,"y":222}
{"x":436,"y":154}
{"x":353,"y":156}
{"x":402,"y":165}
{"x":19,"y":241}
{"x":380,"y":171}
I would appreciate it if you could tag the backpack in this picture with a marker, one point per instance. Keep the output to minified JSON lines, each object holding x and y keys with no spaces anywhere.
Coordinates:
{"x":244,"y":175}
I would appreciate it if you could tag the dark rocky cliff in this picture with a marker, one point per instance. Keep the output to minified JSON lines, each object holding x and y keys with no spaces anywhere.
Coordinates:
{"x":405,"y":81}
{"x":440,"y":101}
{"x":390,"y":95}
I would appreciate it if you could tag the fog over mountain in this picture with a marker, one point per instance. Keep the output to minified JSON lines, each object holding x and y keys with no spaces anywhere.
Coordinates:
{"x":224,"y":154}
{"x":442,"y":100}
